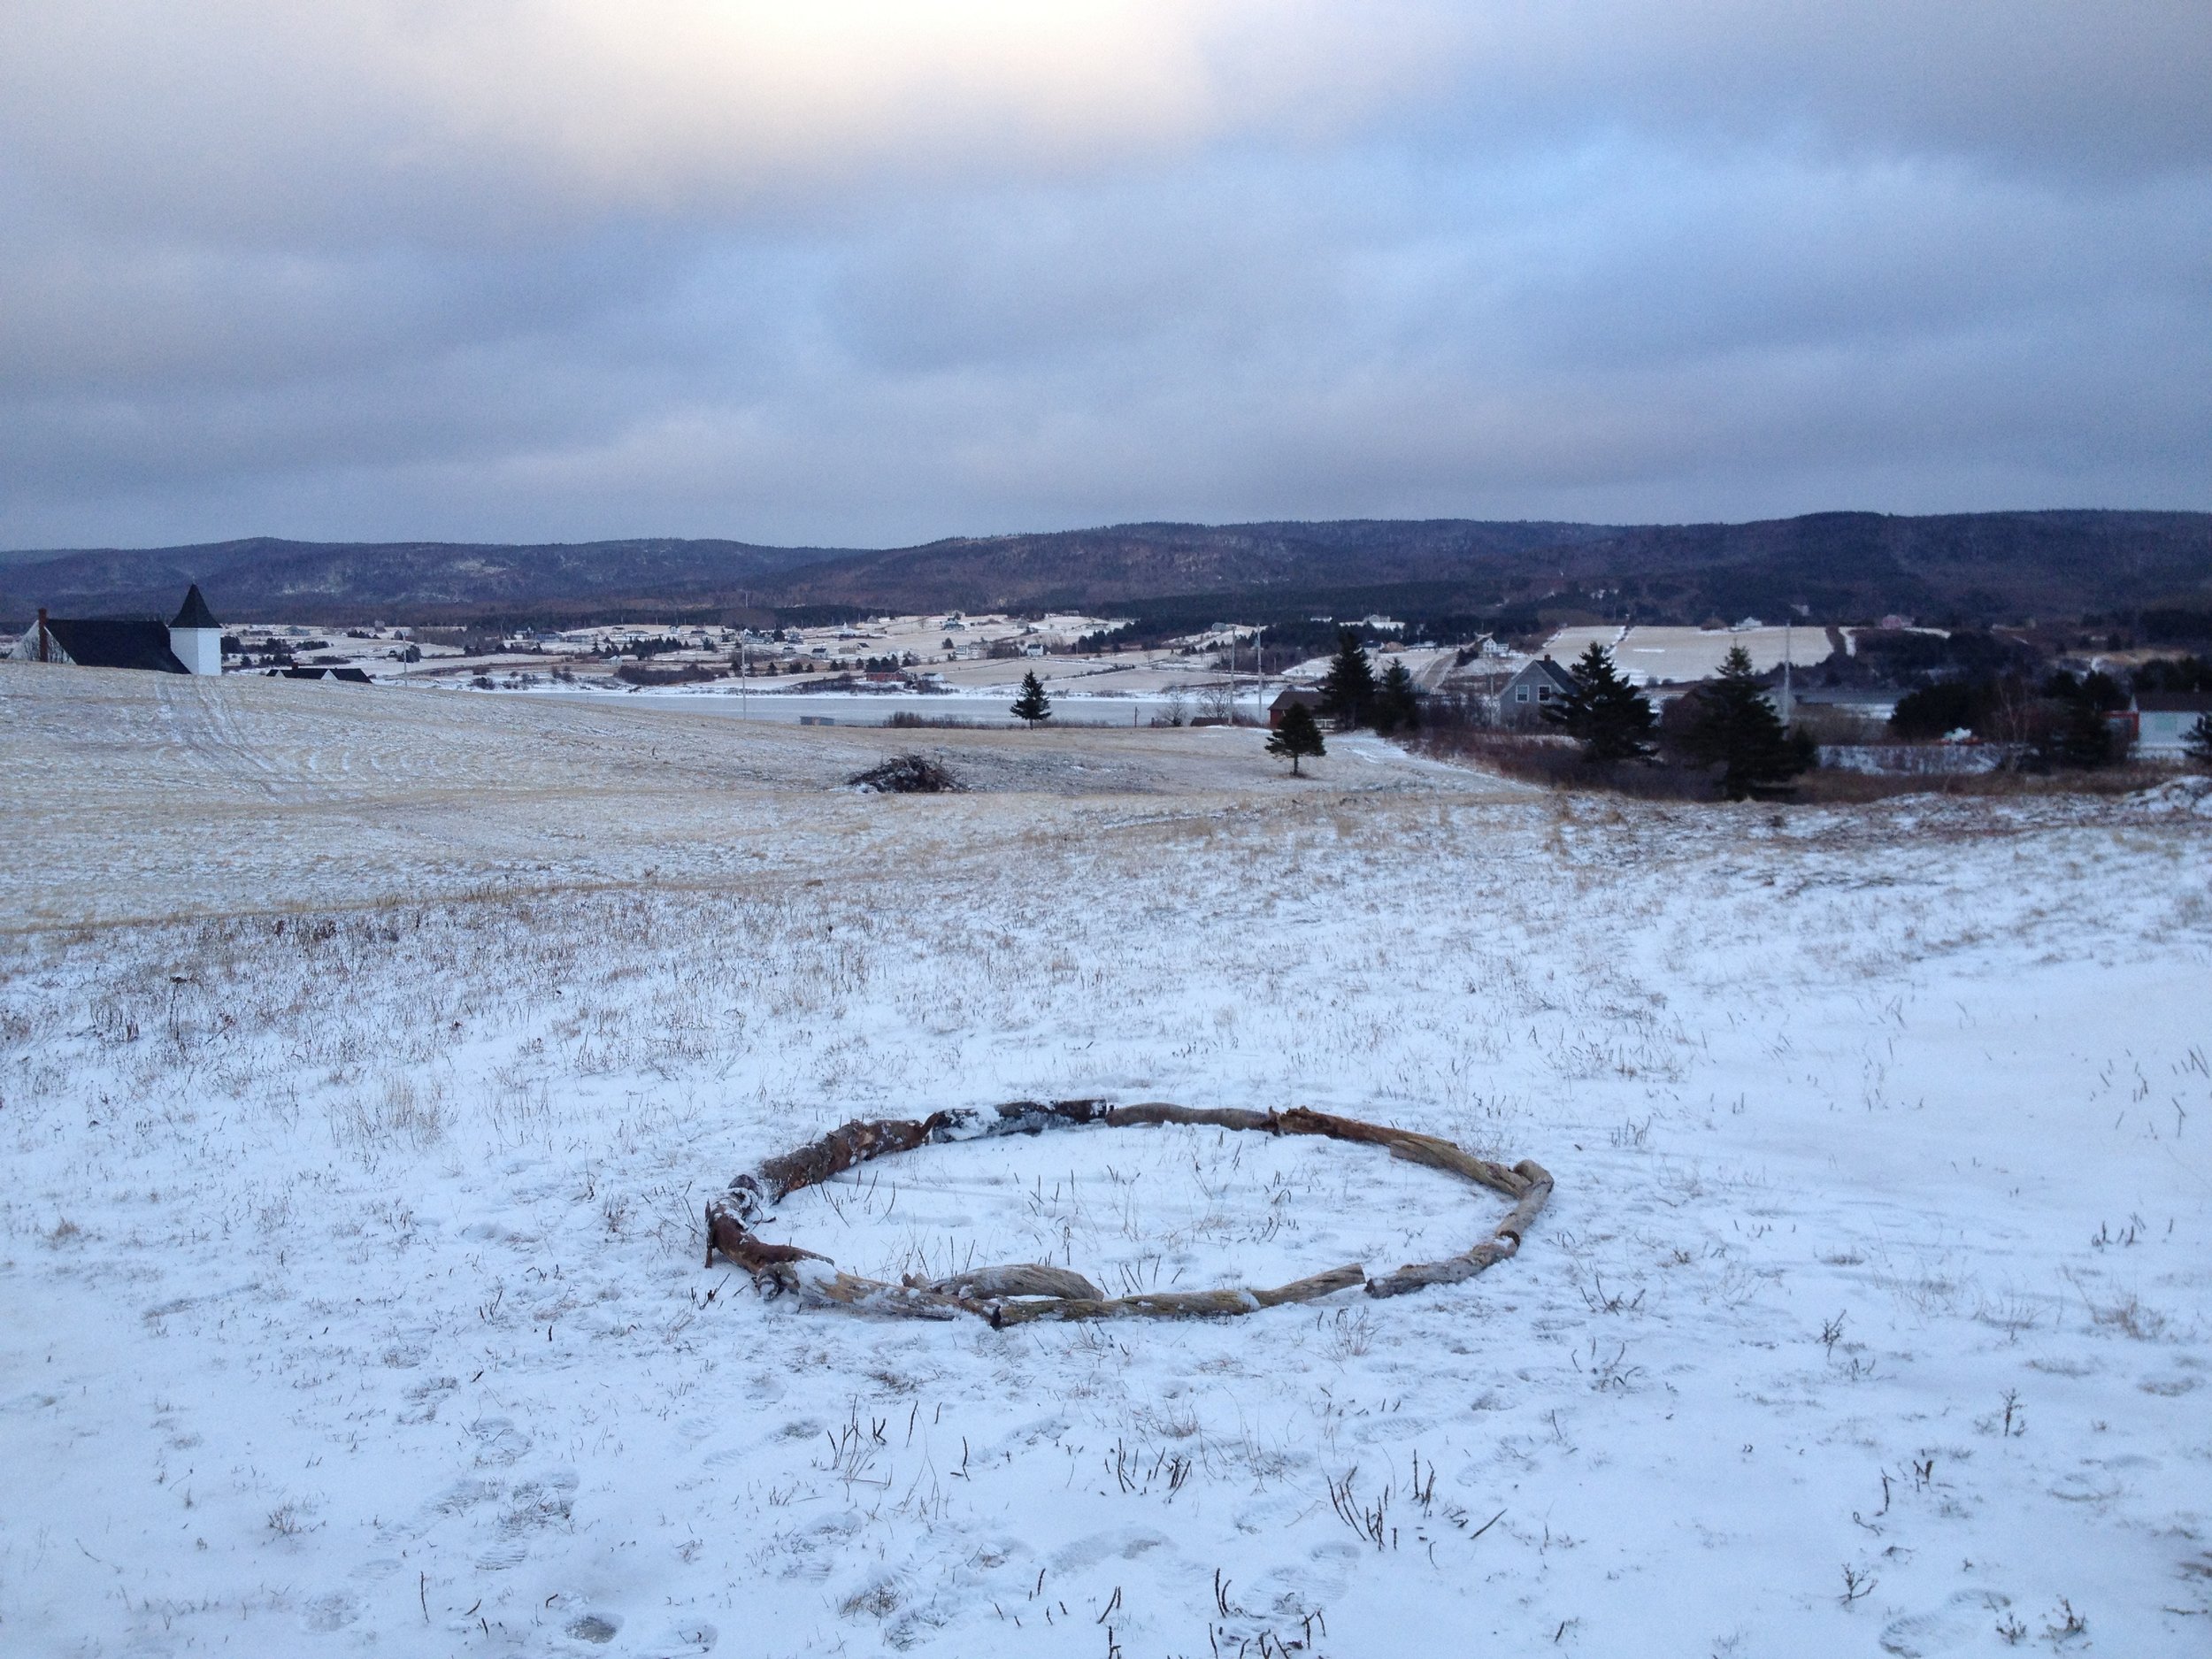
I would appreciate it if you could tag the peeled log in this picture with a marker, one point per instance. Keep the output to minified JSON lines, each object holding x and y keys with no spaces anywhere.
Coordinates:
{"x":1433,"y":1150}
{"x":1019,"y":1278}
{"x":1183,"y":1304}
{"x":1049,"y":1293}
{"x":1504,"y":1242}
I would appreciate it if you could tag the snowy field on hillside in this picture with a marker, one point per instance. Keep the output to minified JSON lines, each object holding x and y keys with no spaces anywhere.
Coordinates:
{"x":350,"y":1284}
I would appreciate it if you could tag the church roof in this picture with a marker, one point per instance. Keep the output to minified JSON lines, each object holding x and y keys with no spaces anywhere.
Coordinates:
{"x":117,"y":642}
{"x":196,"y":613}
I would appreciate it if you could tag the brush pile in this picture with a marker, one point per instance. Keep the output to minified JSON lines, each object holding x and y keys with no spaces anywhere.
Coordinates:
{"x":907,"y":774}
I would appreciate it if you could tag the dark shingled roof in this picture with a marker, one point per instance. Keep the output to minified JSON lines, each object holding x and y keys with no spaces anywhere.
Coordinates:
{"x":1544,"y":668}
{"x":196,"y":613}
{"x":117,"y":642}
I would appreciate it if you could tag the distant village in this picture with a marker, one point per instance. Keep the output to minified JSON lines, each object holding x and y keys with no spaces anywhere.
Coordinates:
{"x":1844,"y":685}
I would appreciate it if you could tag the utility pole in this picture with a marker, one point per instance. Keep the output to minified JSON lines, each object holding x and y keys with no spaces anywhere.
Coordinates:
{"x":1789,"y":623}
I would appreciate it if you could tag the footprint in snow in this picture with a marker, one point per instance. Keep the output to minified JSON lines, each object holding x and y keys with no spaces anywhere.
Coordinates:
{"x":333,"y":1611}
{"x":501,"y":1556}
{"x":692,"y":1637}
{"x":1959,"y":1623}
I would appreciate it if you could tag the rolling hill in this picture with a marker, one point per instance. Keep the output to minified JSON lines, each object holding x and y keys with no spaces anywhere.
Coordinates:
{"x":1984,"y":567}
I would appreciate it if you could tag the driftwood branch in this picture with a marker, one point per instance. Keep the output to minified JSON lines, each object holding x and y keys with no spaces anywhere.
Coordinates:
{"x":1022,"y":1292}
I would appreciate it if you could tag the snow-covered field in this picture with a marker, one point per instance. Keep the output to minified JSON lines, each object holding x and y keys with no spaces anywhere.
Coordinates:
{"x":365,"y":1060}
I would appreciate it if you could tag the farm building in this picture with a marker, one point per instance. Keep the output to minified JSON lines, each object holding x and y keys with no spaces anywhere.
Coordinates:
{"x":1292,"y":696}
{"x":192,"y":643}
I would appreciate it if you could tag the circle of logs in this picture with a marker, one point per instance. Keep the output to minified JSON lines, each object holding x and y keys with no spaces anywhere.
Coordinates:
{"x":1021,"y":1292}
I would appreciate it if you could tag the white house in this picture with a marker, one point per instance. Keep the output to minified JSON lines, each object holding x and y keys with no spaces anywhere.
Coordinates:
{"x":2163,"y":720}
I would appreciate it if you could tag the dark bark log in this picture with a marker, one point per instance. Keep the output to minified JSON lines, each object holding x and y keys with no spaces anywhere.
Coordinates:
{"x":1161,"y":1112}
{"x":838,"y":1151}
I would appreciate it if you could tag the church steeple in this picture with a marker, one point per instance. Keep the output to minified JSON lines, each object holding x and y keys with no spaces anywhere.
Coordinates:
{"x":195,"y":637}
{"x":196,"y":613}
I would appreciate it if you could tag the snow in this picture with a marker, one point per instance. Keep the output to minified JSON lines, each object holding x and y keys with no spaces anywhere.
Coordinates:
{"x":1655,"y":655}
{"x":349,"y":1256}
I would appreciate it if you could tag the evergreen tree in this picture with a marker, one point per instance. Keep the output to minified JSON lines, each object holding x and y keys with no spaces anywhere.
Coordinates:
{"x":1396,"y":707}
{"x":1734,"y":726}
{"x":1610,"y":717}
{"x":2084,"y":738}
{"x":1033,"y":705}
{"x":1348,"y":691}
{"x":1298,"y":735}
{"x":2197,"y":743}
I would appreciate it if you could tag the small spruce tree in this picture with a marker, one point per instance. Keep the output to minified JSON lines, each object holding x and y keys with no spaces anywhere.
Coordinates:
{"x":1734,"y":726}
{"x":1348,"y":691}
{"x":1607,"y":715}
{"x":1034,"y":704}
{"x":1396,"y":707}
{"x":1299,"y":736}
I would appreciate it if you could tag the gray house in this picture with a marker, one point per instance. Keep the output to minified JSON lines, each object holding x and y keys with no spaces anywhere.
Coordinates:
{"x":1526,"y":695}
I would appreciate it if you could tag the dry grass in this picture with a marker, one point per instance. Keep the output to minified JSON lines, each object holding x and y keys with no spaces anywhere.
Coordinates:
{"x":1556,"y":762}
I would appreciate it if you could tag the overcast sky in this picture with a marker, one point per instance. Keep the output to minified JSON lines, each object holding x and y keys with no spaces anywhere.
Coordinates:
{"x":866,"y":271}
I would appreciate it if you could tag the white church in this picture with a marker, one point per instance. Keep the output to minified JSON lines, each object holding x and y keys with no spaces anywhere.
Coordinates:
{"x":192,"y":643}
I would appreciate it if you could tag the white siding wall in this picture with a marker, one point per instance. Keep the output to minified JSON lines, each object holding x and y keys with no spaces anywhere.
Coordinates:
{"x":2163,"y":730}
{"x":199,"y":649}
{"x":26,"y":647}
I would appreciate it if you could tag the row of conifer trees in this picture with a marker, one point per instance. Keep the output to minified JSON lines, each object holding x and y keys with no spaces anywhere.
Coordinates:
{"x":1728,"y":723}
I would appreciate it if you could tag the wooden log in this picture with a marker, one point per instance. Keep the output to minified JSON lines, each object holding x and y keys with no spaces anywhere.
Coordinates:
{"x":726,"y":1233}
{"x":1019,"y":1293}
{"x":1184,"y":1305}
{"x":1161,"y":1112}
{"x":1504,"y":1242}
{"x":828,"y":1286}
{"x":1017,"y":1278}
{"x":754,"y":1194}
{"x":1433,"y":1150}
{"x":838,"y":1151}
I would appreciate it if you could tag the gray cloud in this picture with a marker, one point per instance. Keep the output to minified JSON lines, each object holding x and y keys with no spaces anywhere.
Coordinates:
{"x":936,"y":268}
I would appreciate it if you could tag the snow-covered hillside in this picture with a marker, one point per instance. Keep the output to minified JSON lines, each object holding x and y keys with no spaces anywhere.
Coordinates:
{"x":349,"y":1250}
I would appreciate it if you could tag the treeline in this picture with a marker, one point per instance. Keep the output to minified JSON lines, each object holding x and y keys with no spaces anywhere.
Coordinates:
{"x":2058,"y":720}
